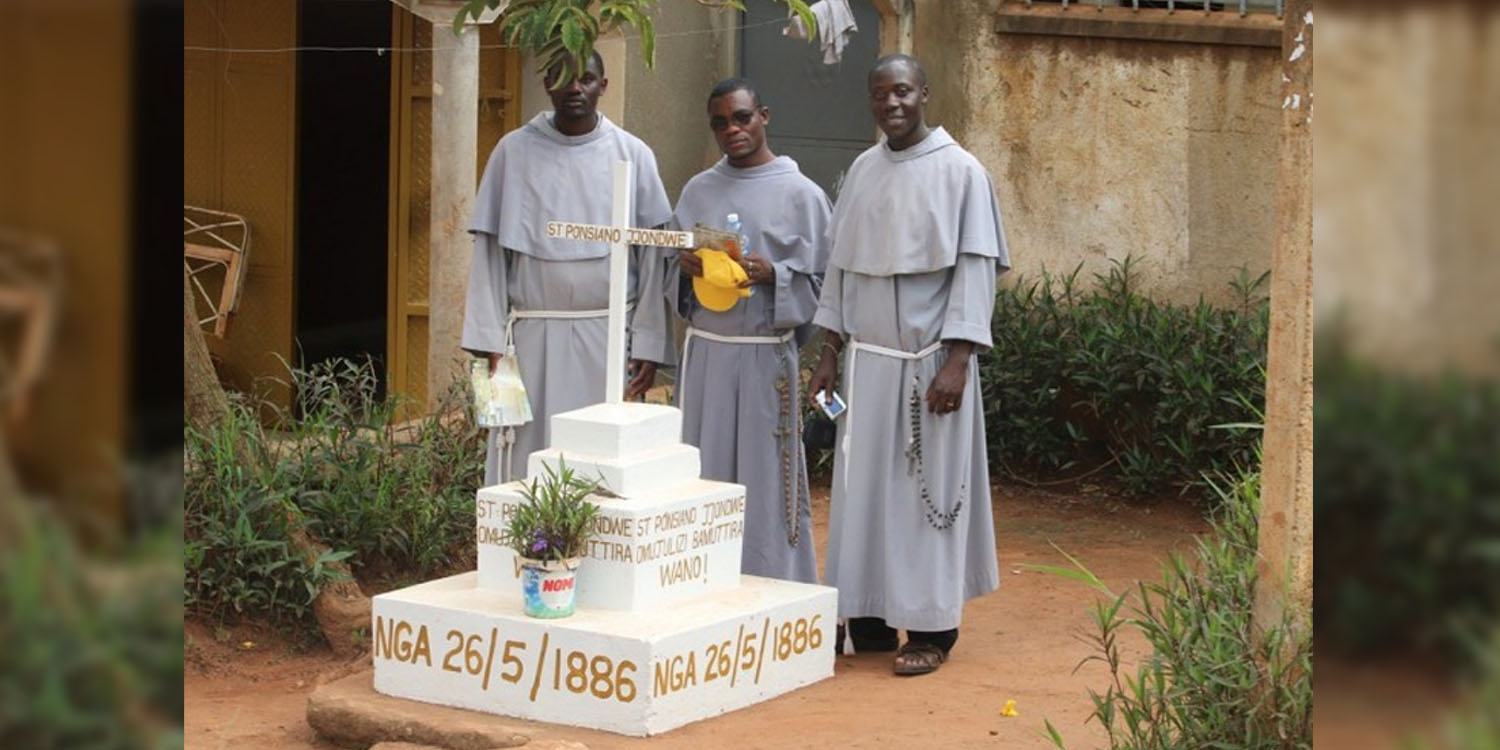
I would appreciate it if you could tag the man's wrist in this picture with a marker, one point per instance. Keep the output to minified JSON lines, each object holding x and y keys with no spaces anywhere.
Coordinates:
{"x":959,"y":353}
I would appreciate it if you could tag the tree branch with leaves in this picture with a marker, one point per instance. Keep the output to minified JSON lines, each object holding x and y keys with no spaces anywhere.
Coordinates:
{"x":562,"y":33}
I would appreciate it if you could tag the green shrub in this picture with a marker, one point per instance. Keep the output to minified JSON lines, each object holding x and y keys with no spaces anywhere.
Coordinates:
{"x":238,"y":516}
{"x":1212,"y":678}
{"x":1475,"y":725}
{"x":1414,"y":464}
{"x":93,"y":654}
{"x":385,"y":497}
{"x":400,"y":496}
{"x":1083,"y":381}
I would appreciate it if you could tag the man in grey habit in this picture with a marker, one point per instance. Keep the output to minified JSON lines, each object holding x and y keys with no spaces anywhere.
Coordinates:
{"x":545,"y":301}
{"x":917,"y":246}
{"x":738,"y":380}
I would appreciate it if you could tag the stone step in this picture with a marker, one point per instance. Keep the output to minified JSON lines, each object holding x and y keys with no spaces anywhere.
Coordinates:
{"x":614,"y":431}
{"x":453,"y":643}
{"x":637,"y":475}
{"x":647,"y":552}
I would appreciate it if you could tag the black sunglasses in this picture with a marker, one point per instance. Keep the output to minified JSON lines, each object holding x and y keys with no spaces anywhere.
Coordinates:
{"x":741,"y":118}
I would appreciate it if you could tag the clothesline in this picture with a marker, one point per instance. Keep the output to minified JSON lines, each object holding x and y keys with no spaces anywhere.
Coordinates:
{"x":383,"y":50}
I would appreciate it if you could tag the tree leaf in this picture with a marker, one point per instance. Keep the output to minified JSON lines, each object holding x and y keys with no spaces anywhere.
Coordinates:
{"x":648,"y":40}
{"x":572,"y":37}
{"x":808,"y":19}
{"x":464,"y":11}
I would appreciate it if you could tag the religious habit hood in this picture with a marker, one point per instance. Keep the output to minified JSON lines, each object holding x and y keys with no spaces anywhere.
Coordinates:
{"x":915,"y":210}
{"x":536,"y":174}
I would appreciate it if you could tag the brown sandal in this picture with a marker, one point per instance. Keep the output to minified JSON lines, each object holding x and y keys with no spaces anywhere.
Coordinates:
{"x":914,"y":658}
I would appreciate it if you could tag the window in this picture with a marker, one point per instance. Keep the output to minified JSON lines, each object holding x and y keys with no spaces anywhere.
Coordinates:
{"x":1214,"y":6}
{"x":1255,"y":23}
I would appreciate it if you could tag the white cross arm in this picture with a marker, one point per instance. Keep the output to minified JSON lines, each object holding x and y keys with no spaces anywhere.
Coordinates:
{"x":567,"y":230}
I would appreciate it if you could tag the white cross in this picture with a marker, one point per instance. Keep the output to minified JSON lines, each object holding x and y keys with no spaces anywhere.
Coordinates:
{"x":620,"y":236}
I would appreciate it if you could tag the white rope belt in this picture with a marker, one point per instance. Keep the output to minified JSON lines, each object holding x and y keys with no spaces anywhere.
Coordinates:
{"x":508,"y":435}
{"x":692,"y":333}
{"x":855,"y":347}
{"x":515,"y":315}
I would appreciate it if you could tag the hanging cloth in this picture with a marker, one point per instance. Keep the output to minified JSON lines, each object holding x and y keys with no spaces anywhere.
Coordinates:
{"x":835,"y":27}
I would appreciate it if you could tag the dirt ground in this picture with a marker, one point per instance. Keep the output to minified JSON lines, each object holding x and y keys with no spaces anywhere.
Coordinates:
{"x":248,"y":688}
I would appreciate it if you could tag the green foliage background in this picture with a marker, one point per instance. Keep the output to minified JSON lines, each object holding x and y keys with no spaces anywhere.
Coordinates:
{"x":1211,"y":679}
{"x":561,"y":34}
{"x":1109,"y":382}
{"x":1407,"y":478}
{"x":387,"y":498}
{"x":1106,"y":384}
{"x":93,"y":655}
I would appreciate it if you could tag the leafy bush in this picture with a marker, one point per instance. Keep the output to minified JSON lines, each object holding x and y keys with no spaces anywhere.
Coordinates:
{"x":1412,"y":463}
{"x":238,"y":517}
{"x":1475,"y":725}
{"x":386,"y":496}
{"x":1212,"y":678}
{"x":401,"y":497}
{"x":1083,"y":381}
{"x":94,"y":645}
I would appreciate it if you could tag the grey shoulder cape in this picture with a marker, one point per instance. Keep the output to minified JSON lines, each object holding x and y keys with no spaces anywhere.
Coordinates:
{"x":537,"y":174}
{"x":915,"y":210}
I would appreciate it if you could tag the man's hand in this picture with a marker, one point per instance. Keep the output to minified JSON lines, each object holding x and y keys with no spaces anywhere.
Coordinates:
{"x":946,"y":393}
{"x":494,"y":361}
{"x":826,"y":371}
{"x":642,"y":377}
{"x":758,"y":269}
{"x":690,"y":263}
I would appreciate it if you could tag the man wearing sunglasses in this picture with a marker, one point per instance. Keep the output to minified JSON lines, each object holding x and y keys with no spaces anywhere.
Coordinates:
{"x":738,"y":379}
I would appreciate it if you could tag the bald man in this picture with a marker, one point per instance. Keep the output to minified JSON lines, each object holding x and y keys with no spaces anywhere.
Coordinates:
{"x":917,"y":246}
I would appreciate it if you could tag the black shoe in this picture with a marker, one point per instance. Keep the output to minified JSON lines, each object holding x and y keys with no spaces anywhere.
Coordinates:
{"x":863,"y":646}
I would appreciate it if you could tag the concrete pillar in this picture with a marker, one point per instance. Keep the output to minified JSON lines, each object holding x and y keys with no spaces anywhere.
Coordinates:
{"x":1286,"y":516}
{"x":906,"y":27}
{"x":455,"y":135}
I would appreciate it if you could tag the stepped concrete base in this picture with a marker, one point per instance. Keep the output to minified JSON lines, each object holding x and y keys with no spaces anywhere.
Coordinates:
{"x":616,"y":430}
{"x":637,"y":475}
{"x":453,"y":643}
{"x":680,"y":542}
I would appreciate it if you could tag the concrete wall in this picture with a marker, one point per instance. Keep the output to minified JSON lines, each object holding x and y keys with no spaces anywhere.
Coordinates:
{"x":667,"y":106}
{"x":1103,"y":148}
{"x":1405,"y":179}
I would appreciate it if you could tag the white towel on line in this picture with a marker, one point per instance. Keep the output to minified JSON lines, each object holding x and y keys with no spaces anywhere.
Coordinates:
{"x":835,"y":26}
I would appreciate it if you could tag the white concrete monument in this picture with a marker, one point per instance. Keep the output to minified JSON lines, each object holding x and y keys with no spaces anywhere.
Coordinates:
{"x":667,"y":630}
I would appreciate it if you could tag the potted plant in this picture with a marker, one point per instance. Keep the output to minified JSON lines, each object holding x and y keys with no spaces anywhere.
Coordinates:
{"x":549,"y":533}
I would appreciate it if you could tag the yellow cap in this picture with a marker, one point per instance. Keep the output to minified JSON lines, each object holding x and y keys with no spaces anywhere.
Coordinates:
{"x":718,"y":289}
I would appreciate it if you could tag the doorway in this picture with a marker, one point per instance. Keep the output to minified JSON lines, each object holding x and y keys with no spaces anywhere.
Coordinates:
{"x":820,"y":114}
{"x":343,"y":170}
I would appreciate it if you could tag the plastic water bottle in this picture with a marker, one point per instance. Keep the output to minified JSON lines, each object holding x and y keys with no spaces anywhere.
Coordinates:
{"x":732,"y":222}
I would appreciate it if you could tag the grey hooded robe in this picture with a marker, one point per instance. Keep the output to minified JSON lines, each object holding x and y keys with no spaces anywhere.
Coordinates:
{"x":739,"y":401}
{"x":537,"y":174}
{"x":917,"y":245}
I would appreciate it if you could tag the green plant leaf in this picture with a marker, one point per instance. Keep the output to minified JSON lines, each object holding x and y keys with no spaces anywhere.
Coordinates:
{"x":648,"y":39}
{"x":1053,"y":734}
{"x":572,"y":38}
{"x":804,"y":12}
